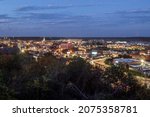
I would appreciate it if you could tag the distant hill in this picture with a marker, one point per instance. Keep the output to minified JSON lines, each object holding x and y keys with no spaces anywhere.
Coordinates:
{"x":91,"y":38}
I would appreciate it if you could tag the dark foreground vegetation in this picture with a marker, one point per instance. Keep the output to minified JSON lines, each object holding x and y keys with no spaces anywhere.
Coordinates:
{"x":21,"y":77}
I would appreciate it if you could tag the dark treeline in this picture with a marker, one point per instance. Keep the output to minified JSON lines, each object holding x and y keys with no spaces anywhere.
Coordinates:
{"x":21,"y":77}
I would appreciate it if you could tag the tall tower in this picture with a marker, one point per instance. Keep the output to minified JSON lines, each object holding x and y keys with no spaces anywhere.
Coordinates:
{"x":20,"y":48}
{"x":43,"y":40}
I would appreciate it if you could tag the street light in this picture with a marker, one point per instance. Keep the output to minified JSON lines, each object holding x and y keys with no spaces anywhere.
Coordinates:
{"x":142,"y":62}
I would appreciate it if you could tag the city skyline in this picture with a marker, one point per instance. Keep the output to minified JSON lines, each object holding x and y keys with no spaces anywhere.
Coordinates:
{"x":92,"y":18}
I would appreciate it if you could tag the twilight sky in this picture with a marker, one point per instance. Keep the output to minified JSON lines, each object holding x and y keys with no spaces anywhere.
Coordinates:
{"x":75,"y":18}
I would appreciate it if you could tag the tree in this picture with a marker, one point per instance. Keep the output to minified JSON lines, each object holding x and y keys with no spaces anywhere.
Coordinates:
{"x":122,"y":85}
{"x":5,"y":92}
{"x":79,"y":72}
{"x":109,"y":61}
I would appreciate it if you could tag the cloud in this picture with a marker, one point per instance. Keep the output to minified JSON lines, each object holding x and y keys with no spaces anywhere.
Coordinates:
{"x":139,"y":16}
{"x":43,"y":16}
{"x":50,"y":7}
{"x":146,"y":11}
{"x":5,"y":17}
{"x":4,"y":22}
{"x":131,"y":12}
{"x":46,"y":18}
{"x":54,"y":16}
{"x":35,"y":8}
{"x":64,"y":22}
{"x":137,"y":19}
